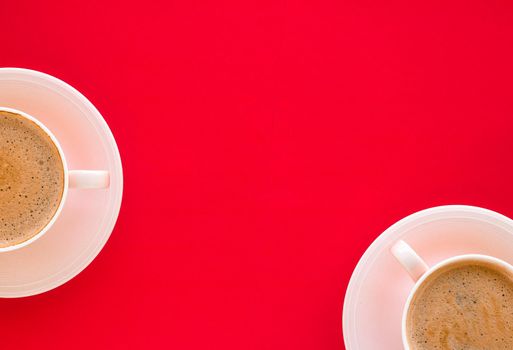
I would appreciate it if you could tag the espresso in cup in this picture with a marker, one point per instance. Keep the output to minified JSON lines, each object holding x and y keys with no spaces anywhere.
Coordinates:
{"x":31,"y":179}
{"x":465,"y":305}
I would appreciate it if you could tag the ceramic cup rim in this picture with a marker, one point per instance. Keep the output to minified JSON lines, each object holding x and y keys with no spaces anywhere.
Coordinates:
{"x":66,"y":180}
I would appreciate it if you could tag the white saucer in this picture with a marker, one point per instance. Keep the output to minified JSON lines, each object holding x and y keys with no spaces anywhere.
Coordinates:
{"x":379,"y":286}
{"x":88,"y":216}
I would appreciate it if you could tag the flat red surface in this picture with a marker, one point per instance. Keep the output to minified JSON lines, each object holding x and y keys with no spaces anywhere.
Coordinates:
{"x":265,"y":145}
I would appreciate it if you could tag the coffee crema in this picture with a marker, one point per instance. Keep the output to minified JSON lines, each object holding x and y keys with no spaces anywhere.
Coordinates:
{"x":31,"y":179}
{"x":466,"y":306}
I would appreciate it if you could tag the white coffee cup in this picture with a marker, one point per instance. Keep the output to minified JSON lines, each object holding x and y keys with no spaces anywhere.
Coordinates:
{"x":84,"y":179}
{"x":420,"y":272}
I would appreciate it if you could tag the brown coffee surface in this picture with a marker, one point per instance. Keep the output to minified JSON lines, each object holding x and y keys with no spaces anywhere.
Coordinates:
{"x":31,"y":179}
{"x":466,"y":307}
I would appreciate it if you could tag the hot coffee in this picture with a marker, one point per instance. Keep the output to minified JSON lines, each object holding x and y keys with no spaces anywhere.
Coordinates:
{"x":31,"y":179}
{"x":466,"y":305}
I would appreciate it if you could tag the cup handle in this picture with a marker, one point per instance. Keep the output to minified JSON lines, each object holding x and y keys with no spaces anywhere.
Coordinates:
{"x":89,"y":179}
{"x":409,"y":259}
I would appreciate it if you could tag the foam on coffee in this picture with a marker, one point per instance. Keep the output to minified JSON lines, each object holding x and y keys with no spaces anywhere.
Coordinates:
{"x":463,"y":307}
{"x":31,"y":179}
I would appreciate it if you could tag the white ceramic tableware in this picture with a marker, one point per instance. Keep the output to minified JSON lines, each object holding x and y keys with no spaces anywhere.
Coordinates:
{"x":85,"y":179}
{"x":420,"y":272}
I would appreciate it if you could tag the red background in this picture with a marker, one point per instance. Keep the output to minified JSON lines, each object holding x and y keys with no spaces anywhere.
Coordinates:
{"x":265,"y":145}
